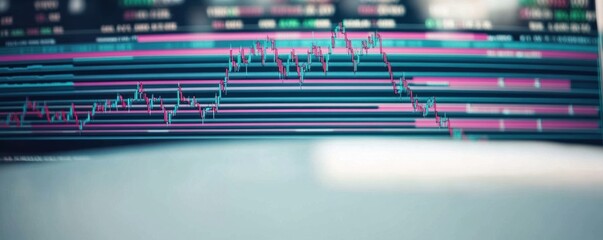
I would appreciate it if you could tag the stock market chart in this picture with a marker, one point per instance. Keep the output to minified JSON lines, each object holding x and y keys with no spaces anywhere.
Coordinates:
{"x":176,"y":69}
{"x":301,"y":119}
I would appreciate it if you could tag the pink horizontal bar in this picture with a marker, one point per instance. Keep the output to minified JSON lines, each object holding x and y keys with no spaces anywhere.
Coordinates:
{"x":122,"y":111}
{"x":555,"y":83}
{"x":290,"y":110}
{"x":426,"y":123}
{"x":297,"y":110}
{"x":395,"y":108}
{"x":558,"y":124}
{"x":586,"y":110}
{"x":493,"y":82}
{"x":492,"y":52}
{"x":512,"y":124}
{"x":534,"y":109}
{"x":276,"y":81}
{"x":562,"y":54}
{"x":519,"y":82}
{"x":273,"y":124}
{"x":451,"y":107}
{"x":136,"y":53}
{"x":471,"y":124}
{"x":209,"y":130}
{"x":236,"y":36}
{"x":304,"y":35}
{"x":145,"y":82}
{"x":456,"y":36}
{"x":168,"y":130}
{"x":232,"y":81}
{"x":500,"y":108}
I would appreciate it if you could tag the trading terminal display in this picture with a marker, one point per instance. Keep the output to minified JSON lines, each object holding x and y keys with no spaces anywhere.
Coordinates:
{"x":176,"y":69}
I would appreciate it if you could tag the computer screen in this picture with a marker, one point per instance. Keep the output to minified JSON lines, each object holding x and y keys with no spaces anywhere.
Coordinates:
{"x":133,"y":70}
{"x":301,"y":119}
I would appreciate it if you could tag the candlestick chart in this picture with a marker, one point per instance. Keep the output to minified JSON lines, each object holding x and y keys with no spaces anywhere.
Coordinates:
{"x":333,"y":82}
